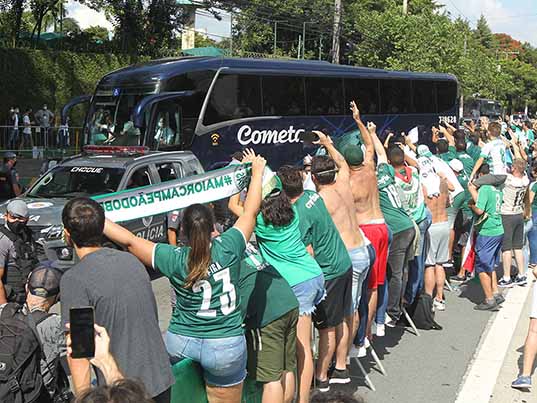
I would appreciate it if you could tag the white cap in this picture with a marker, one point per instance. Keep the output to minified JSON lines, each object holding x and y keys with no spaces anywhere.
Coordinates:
{"x":456,"y":165}
{"x":423,"y":150}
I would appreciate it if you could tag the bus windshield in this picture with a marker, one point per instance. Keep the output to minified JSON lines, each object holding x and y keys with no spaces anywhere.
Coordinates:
{"x":75,"y":181}
{"x":109,"y":119}
{"x":490,"y":108}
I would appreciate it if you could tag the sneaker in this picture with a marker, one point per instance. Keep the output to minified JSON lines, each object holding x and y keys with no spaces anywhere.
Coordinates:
{"x":340,"y":376}
{"x":354,"y":352}
{"x":503,"y":283}
{"x":439,"y":305}
{"x":389,"y":321}
{"x":522,"y":382}
{"x":362,"y":351}
{"x":499,"y":298}
{"x":380,"y":330}
{"x":322,"y":386}
{"x":521,"y":280}
{"x":487,"y":306}
{"x":457,"y":278}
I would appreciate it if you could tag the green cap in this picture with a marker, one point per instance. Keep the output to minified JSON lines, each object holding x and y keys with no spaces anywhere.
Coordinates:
{"x":353,"y":154}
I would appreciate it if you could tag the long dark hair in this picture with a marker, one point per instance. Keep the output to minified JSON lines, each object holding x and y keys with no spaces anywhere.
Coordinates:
{"x":198,"y":222}
{"x":277,"y":210}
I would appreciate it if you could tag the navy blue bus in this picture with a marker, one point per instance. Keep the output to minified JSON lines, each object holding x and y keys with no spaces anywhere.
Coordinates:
{"x":216,"y":106}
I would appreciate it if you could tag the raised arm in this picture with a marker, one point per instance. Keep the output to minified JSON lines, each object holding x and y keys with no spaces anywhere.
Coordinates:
{"x":379,"y":148}
{"x":477,"y":165}
{"x":448,"y":135}
{"x":139,"y":247}
{"x":246,"y":221}
{"x":343,"y":168}
{"x":366,"y":137}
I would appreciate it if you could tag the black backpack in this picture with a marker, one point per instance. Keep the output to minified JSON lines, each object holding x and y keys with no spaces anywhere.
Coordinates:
{"x":422,"y":313}
{"x":20,"y":356}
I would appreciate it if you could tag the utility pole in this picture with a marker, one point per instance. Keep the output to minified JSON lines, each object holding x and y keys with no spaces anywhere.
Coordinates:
{"x":336,"y":31}
{"x":405,"y":7}
{"x":303,"y":40}
{"x":461,"y":101}
{"x":299,"y":45}
{"x":320,"y":46}
{"x":275,"y":35}
{"x":231,"y":34}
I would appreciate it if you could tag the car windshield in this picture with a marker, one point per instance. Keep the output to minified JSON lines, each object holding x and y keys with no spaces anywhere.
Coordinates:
{"x":491,"y":108}
{"x":74,"y":181}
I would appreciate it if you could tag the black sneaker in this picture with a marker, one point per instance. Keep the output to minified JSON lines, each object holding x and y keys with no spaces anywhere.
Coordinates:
{"x":457,"y":278}
{"x":521,"y":280}
{"x":340,"y":376}
{"x":487,"y":306}
{"x":322,"y":386}
{"x":499,"y":298}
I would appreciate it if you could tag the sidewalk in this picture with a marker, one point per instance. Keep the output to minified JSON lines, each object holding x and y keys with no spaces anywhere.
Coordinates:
{"x":503,"y":393}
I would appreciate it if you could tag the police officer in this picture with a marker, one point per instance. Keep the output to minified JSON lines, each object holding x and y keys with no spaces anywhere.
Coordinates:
{"x":18,"y":254}
{"x":9,"y":184}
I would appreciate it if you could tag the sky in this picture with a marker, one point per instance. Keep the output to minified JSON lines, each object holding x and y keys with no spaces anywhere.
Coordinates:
{"x":517,"y":18}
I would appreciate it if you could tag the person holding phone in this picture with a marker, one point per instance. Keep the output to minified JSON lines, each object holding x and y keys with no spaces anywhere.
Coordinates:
{"x":117,"y":286}
{"x":206,"y":327}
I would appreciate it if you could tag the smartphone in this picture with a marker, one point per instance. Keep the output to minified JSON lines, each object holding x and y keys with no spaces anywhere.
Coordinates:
{"x":81,"y":321}
{"x":308,"y":137}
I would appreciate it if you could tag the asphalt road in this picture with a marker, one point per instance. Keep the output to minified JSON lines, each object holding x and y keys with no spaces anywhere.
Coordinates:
{"x":424,"y":369}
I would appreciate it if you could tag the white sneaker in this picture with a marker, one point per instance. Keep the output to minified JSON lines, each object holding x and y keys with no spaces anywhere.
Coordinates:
{"x":380,"y":330}
{"x":362,"y":351}
{"x":389,"y":321}
{"x":439,"y":305}
{"x":354,"y":352}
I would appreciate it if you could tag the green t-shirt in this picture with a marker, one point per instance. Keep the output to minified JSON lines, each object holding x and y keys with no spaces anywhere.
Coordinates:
{"x":463,"y":179}
{"x":411,"y":194}
{"x":533,"y":188}
{"x":467,"y":161}
{"x":473,"y":151}
{"x":390,"y":203}
{"x":449,"y":155}
{"x":282,"y":247}
{"x":265,"y":295}
{"x":319,"y":231}
{"x":210,"y":309}
{"x":489,"y":199}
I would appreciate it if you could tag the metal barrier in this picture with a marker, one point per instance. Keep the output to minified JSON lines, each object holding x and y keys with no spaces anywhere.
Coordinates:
{"x":41,"y":142}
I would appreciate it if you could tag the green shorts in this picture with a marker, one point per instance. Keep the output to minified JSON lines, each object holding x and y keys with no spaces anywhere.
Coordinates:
{"x":272,"y":349}
{"x":453,"y":210}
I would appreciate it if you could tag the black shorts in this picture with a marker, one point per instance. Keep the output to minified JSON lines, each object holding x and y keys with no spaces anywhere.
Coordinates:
{"x":513,"y":231}
{"x":332,"y":310}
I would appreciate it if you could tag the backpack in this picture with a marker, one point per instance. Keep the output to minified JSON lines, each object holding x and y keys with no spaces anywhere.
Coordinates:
{"x":20,"y":356}
{"x":26,"y":259}
{"x":422,"y":313}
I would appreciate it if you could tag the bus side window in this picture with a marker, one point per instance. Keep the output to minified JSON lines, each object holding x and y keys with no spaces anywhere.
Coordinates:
{"x":365,"y":92}
{"x":395,"y":96}
{"x":424,"y":96}
{"x":283,"y":96}
{"x":324,"y":96}
{"x":234,"y":97}
{"x":446,"y":92}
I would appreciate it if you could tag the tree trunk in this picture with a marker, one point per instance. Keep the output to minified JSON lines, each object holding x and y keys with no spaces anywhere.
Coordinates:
{"x":336,"y":31}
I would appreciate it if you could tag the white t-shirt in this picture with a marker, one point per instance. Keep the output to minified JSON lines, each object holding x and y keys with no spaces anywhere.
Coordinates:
{"x":514,"y":190}
{"x":442,"y":166}
{"x":26,"y":122}
{"x":494,"y":154}
{"x":428,"y":176}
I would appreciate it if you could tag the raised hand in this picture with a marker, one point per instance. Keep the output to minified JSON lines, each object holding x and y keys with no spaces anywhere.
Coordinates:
{"x":323,"y":138}
{"x":355,"y":111}
{"x":372,"y":127}
{"x":248,"y":155}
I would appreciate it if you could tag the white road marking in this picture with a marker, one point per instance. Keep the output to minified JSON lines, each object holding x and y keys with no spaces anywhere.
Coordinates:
{"x":482,"y":373}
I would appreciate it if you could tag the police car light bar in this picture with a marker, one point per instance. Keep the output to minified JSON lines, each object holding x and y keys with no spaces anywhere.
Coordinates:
{"x":116,"y":150}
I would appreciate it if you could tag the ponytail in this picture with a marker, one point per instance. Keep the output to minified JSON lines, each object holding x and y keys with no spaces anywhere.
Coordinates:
{"x":198,"y":224}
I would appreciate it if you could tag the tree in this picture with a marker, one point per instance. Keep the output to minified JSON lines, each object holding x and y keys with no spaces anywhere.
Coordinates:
{"x":483,"y":33}
{"x":202,"y":41}
{"x":97,"y":33}
{"x":70,"y":27}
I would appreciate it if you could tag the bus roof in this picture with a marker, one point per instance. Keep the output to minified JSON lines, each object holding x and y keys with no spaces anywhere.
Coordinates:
{"x":163,"y":69}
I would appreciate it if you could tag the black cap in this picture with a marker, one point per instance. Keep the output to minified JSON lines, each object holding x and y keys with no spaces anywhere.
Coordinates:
{"x":44,"y":281}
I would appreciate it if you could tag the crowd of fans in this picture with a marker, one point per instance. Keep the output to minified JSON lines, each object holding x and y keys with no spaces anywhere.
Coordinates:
{"x":357,"y":239}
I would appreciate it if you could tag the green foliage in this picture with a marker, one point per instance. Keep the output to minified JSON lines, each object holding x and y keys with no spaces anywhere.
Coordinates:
{"x":34,"y":77}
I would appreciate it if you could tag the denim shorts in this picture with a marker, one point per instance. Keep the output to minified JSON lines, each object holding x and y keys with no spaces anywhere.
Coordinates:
{"x":360,"y":266}
{"x":309,"y":293}
{"x":223,"y":360}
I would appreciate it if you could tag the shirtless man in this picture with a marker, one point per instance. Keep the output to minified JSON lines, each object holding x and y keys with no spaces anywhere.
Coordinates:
{"x":363,"y":179}
{"x":438,"y":245}
{"x":337,"y":196}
